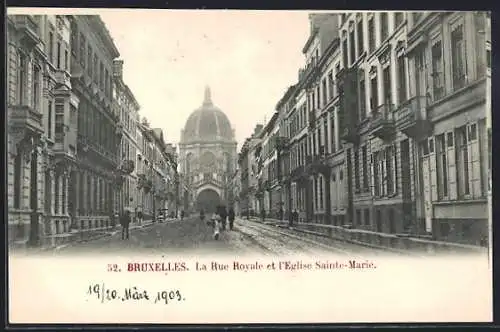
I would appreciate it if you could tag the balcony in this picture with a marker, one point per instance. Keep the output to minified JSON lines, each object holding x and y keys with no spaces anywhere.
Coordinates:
{"x":63,"y":78}
{"x":411,"y":117}
{"x":119,"y":130}
{"x":24,"y":116}
{"x":127,"y":166}
{"x":28,"y":26}
{"x":119,"y":180}
{"x":282,"y":143}
{"x":382,"y":122}
{"x":349,"y":134}
{"x":318,"y":165}
{"x":309,"y":69}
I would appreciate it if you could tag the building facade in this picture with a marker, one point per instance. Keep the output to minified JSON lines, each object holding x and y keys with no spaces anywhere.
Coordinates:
{"x":248,"y":173}
{"x":65,"y":161}
{"x":127,"y":108}
{"x":97,"y":176}
{"x":156,"y":174}
{"x":41,"y":126}
{"x":207,"y":156}
{"x":386,"y":129}
{"x":450,"y":67}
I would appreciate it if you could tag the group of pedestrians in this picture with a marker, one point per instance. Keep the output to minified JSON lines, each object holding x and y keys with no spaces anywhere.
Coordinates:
{"x":219,"y":219}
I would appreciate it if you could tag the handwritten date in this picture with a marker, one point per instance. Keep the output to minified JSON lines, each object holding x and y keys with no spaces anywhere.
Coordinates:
{"x":133,"y":294}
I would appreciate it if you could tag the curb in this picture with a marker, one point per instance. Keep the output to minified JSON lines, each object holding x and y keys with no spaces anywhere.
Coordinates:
{"x":107,"y":234}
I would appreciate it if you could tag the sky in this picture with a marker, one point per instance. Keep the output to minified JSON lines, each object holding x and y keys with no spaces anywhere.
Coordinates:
{"x":248,"y":58}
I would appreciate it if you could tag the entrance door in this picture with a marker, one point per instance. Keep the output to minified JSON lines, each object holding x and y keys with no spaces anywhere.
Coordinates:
{"x":427,"y":195}
{"x":408,"y":215}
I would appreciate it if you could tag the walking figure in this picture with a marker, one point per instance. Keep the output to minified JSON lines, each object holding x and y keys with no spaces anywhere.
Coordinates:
{"x":139,"y":216}
{"x":223,"y":216}
{"x":125,"y":222}
{"x":231,"y":218}
{"x":182,"y":215}
{"x":216,"y":218}
{"x":202,"y":215}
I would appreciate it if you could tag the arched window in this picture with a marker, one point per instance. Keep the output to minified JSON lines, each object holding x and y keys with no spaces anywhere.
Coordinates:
{"x":189,"y":159}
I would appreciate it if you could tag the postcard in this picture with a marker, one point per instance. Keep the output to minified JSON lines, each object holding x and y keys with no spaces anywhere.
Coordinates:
{"x":237,"y":166}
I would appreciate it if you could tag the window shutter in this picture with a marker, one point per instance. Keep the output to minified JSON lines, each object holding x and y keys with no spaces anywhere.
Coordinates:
{"x":333,"y":191}
{"x":452,"y":166}
{"x":395,"y":167}
{"x":341,"y":189}
{"x":432,"y":169}
{"x":474,"y":161}
{"x":372,"y":174}
{"x":383,"y":173}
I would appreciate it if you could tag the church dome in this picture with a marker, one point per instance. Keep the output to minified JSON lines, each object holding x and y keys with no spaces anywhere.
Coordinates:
{"x":207,"y":123}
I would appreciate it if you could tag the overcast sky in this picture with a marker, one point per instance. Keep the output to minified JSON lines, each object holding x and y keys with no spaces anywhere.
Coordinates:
{"x":248,"y":58}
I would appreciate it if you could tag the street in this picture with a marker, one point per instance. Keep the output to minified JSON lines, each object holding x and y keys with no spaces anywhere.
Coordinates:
{"x":191,"y":236}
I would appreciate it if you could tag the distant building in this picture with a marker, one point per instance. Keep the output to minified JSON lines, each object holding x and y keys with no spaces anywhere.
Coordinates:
{"x":127,"y":108}
{"x":207,"y":157}
{"x":248,"y":173}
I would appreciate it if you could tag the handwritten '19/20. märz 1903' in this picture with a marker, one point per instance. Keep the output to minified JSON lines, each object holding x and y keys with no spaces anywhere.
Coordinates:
{"x":103,"y":294}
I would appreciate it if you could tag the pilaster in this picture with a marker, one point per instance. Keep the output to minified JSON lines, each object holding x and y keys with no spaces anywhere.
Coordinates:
{"x":52,"y":191}
{"x":66,"y":192}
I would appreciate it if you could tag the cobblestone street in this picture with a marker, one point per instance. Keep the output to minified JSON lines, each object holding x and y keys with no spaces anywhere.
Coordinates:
{"x":192,"y":236}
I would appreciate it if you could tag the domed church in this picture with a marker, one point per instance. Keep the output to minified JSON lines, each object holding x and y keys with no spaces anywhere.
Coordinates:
{"x":207,"y":157}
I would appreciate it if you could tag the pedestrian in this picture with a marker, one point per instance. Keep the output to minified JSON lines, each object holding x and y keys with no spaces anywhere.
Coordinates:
{"x":280,"y":214}
{"x":263,"y":214}
{"x":216,"y":219}
{"x":139,"y":216}
{"x":223,"y":216}
{"x":202,"y":215}
{"x":182,"y":215}
{"x":231,"y":218}
{"x":125,"y":222}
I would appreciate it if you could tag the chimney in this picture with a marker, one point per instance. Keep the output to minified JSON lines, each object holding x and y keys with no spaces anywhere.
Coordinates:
{"x":258,"y":129}
{"x":118,"y":68}
{"x":313,"y":22}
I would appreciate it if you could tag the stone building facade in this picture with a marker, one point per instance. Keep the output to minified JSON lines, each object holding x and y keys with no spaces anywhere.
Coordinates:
{"x":156,"y":171}
{"x":388,"y":130}
{"x":127,"y":108}
{"x":41,"y":126}
{"x":248,"y":173}
{"x":97,"y":174}
{"x":64,"y":132}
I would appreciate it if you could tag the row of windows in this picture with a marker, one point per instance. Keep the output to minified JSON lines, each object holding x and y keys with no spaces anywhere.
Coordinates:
{"x":26,"y":74}
{"x":353,"y":45}
{"x":57,"y":50}
{"x":96,"y":127}
{"x":90,"y":62}
{"x":453,"y":160}
{"x":457,"y":45}
{"x":96,"y":195}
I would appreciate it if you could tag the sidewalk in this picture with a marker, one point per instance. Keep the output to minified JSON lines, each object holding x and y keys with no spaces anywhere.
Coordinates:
{"x":268,"y":221}
{"x":76,"y":237}
{"x":100,"y":235}
{"x":396,"y":243}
